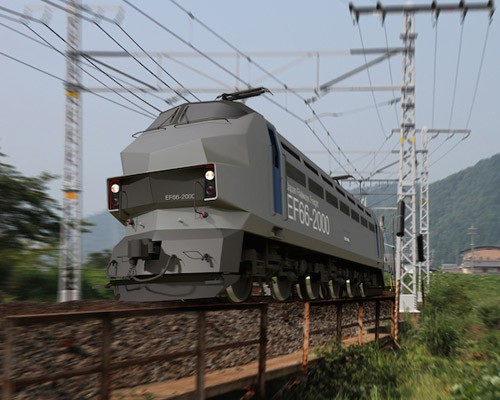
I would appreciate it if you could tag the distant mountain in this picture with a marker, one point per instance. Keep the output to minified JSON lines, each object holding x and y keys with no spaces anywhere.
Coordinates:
{"x":469,"y":197}
{"x":104,"y":235}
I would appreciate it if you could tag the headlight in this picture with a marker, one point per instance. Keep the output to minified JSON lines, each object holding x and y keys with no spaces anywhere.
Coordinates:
{"x":209,"y":175}
{"x":115,"y":188}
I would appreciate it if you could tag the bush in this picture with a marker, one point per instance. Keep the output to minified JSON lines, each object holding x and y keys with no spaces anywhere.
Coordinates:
{"x":441,"y":333}
{"x":489,"y":314}
{"x":356,"y":372}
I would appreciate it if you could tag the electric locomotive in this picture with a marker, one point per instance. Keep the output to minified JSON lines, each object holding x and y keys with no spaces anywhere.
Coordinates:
{"x":214,"y":199}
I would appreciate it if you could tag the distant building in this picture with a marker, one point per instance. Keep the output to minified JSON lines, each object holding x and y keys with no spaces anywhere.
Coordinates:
{"x":453,"y":268}
{"x":484,"y":260}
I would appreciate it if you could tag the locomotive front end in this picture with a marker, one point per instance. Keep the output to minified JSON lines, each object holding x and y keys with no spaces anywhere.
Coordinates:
{"x":182,"y":240}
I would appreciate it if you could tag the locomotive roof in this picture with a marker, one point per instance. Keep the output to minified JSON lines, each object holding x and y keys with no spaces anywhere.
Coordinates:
{"x":202,"y":111}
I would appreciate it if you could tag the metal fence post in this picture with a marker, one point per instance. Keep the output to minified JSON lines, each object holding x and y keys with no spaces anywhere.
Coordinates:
{"x":339,"y":322}
{"x":106,"y":357}
{"x":262,"y":352}
{"x":305,"y":344}
{"x":395,"y":313}
{"x":8,"y":359}
{"x":200,"y":377}
{"x":377,"y":318}
{"x":360,"y":323}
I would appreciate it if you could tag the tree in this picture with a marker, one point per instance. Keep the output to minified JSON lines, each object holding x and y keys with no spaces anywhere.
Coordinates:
{"x":27,"y":213}
{"x":29,"y":233}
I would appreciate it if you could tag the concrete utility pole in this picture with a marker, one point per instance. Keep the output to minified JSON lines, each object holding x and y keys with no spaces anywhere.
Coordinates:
{"x":472,"y":232}
{"x":406,"y":246}
{"x":71,"y":249}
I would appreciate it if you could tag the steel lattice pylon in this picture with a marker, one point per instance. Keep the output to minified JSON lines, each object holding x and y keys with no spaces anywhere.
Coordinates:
{"x":70,"y":257}
{"x":406,"y":255}
{"x":424,"y":208}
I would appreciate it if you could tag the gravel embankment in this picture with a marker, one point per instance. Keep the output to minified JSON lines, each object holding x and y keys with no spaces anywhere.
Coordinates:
{"x":44,"y":349}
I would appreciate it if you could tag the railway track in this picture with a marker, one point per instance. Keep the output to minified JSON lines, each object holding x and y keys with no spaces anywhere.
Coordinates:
{"x":122,"y":342}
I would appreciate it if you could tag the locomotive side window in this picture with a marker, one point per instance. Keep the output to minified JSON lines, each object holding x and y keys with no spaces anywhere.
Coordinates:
{"x":295,"y":174}
{"x":290,"y":151}
{"x":311,"y":168}
{"x":315,"y":188}
{"x":327,"y":181}
{"x":330,"y":198}
{"x":354,"y":215}
{"x":344,"y":208}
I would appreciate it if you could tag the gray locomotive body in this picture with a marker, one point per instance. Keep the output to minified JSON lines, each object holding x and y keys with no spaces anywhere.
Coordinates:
{"x":214,"y":198}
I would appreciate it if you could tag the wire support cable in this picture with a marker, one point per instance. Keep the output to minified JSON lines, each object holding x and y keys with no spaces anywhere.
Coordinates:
{"x":434,"y":73}
{"x":390,"y":75}
{"x":102,"y":71}
{"x":478,"y":74}
{"x":445,"y":154}
{"x":371,"y":84}
{"x":65,"y":82}
{"x":96,"y":15}
{"x":456,"y":74}
{"x":233,"y":47}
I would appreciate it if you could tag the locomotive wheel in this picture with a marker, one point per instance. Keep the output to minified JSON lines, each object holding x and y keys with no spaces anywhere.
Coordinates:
{"x":281,"y":287}
{"x":240,"y":290}
{"x":335,"y":289}
{"x":361,"y":288}
{"x":309,"y":287}
{"x":349,"y":288}
{"x":324,"y":292}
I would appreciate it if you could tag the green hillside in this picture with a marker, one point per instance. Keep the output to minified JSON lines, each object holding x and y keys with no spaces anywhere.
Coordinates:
{"x":469,"y":197}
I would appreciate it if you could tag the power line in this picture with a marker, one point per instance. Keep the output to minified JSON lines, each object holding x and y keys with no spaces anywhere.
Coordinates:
{"x":478,"y":75}
{"x":162,"y":26}
{"x":33,"y":67}
{"x":371,"y":84}
{"x":456,"y":73}
{"x":50,"y":46}
{"x":249,"y":59}
{"x":90,"y":61}
{"x":390,"y":74}
{"x":86,"y":9}
{"x":434,"y":73}
{"x":46,"y":43}
{"x":440,"y":158}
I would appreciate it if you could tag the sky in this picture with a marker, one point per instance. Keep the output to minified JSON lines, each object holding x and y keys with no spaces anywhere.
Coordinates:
{"x":275,"y":34}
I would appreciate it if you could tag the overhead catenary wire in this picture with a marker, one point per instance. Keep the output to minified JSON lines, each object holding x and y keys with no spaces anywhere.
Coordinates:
{"x":112,"y":38}
{"x":456,"y":73}
{"x":434,"y":72}
{"x":97,"y":15}
{"x":390,"y":74}
{"x":223,"y":68}
{"x":478,"y":74}
{"x":64,"y":81}
{"x":50,"y":46}
{"x":371,"y":84}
